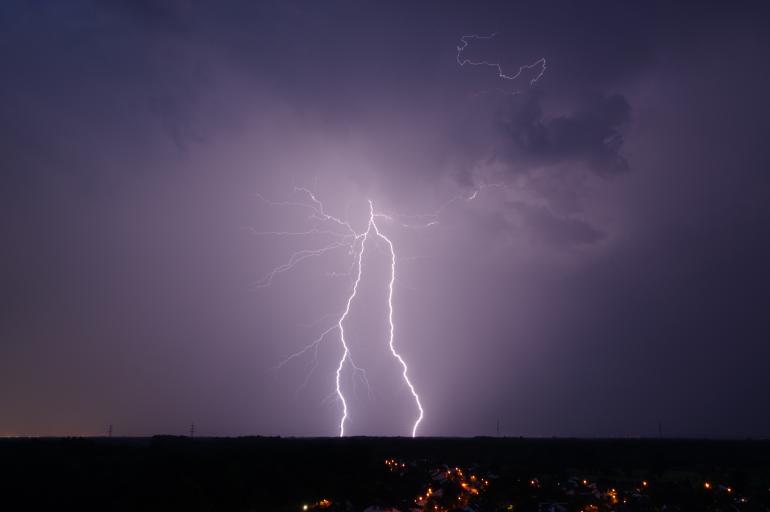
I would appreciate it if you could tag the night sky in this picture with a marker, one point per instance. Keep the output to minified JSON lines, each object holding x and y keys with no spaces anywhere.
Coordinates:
{"x":610,"y":274}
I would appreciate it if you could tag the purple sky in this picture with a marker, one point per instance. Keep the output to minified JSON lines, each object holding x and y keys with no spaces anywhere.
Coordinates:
{"x":616,"y":275}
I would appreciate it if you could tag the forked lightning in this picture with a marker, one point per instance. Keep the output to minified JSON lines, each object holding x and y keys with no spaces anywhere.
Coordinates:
{"x":343,"y":235}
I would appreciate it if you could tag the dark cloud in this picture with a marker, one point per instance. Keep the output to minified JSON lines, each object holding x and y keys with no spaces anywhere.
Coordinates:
{"x":590,"y":136}
{"x":610,"y":273}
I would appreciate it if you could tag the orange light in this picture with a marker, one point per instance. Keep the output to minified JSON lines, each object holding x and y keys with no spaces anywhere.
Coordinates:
{"x":644,"y":483}
{"x":707,"y":485}
{"x":729,"y":489}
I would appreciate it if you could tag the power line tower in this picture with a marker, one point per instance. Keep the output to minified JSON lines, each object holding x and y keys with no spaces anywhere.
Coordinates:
{"x":192,"y":429}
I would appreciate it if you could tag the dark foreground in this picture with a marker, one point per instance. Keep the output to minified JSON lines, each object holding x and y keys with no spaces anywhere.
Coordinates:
{"x":356,"y":474}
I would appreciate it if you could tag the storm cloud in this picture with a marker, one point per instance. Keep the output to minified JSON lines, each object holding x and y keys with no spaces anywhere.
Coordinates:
{"x":597,"y":265}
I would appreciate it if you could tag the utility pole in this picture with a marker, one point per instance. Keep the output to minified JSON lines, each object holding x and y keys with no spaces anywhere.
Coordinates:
{"x":109,"y":430}
{"x":192,"y":429}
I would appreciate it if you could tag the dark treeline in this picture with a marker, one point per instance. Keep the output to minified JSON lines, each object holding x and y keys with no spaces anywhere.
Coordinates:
{"x":264,"y":473}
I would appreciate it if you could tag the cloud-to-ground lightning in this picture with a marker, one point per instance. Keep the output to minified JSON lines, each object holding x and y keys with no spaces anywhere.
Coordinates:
{"x":341,"y":327}
{"x":462,"y":61}
{"x":390,"y":316}
{"x":343,"y":235}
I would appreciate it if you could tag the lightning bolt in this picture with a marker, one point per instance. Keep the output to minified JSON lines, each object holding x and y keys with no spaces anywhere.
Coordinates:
{"x":346,"y":351}
{"x":343,"y":236}
{"x":390,"y":316}
{"x":465,"y":61}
